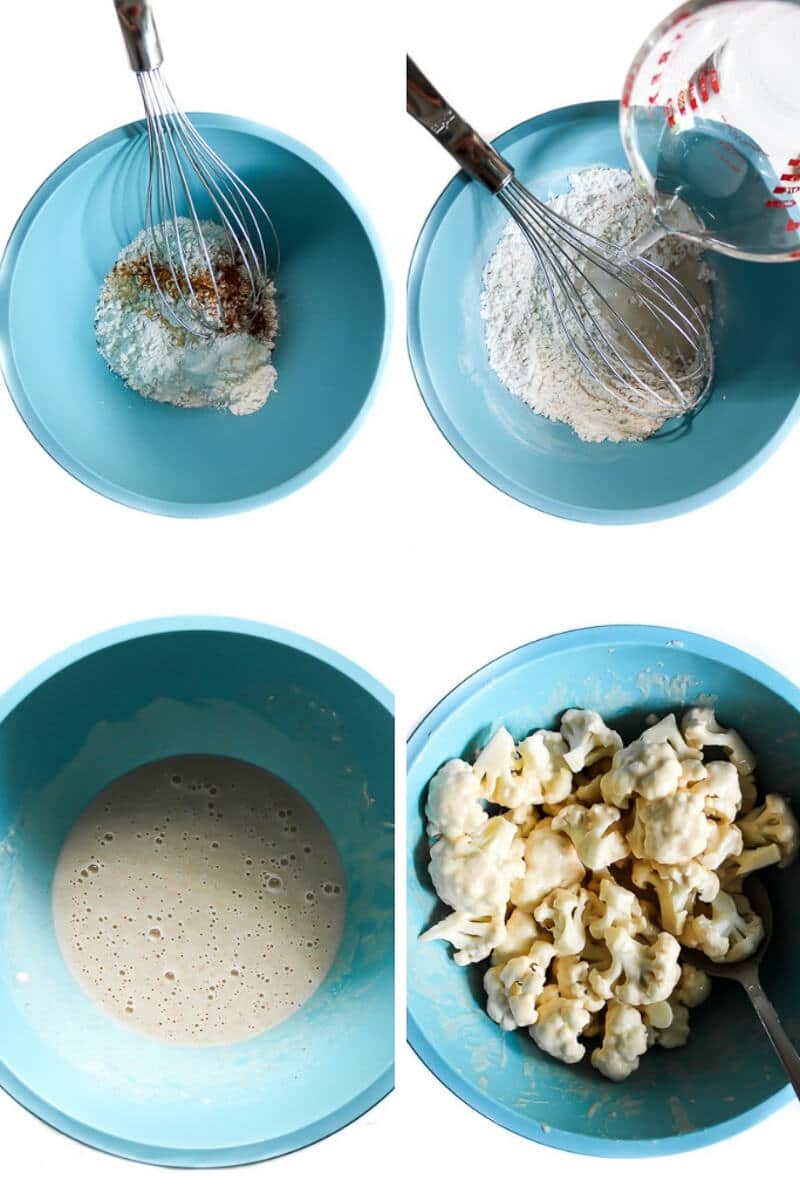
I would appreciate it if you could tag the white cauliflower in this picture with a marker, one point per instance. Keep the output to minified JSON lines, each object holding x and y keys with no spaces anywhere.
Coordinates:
{"x":666,"y":730}
{"x":694,"y":987}
{"x":651,"y":770}
{"x":454,"y":801}
{"x":473,"y":938}
{"x":700,"y":728}
{"x":542,"y":757}
{"x":721,"y":791}
{"x":514,"y":988}
{"x":724,"y":842}
{"x":520,"y":932}
{"x":604,"y":860}
{"x":624,"y":1042}
{"x":731,"y":933}
{"x":640,"y":972}
{"x":572,"y":979}
{"x":677,"y":886}
{"x":595,"y":833}
{"x":667,"y":1024}
{"x":551,"y":862}
{"x":773,"y":824}
{"x":561,"y":914}
{"x":499,"y":770}
{"x":560,"y":1022}
{"x":588,"y":737}
{"x":615,"y":906}
{"x":671,"y":829}
{"x":474,"y":873}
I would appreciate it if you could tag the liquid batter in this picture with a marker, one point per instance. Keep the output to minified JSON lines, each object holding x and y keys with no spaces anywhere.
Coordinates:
{"x":199,"y":899}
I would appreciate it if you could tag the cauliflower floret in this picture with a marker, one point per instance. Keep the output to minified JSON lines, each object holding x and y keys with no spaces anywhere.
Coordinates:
{"x":520,"y":932}
{"x":744,"y":864}
{"x":551,"y":862}
{"x":677,"y":886}
{"x":721,"y":791}
{"x":560,"y":1022}
{"x":700,"y":728}
{"x":588,"y":737}
{"x":749,"y":793}
{"x":648,"y":769}
{"x":474,"y":874}
{"x":732,"y":932}
{"x":666,"y":730}
{"x":614,"y":906}
{"x":624,"y":1042}
{"x":514,"y":988}
{"x":694,"y":987}
{"x":724,"y":842}
{"x":672,"y":829}
{"x":454,"y":801}
{"x":561,"y":914}
{"x":667,"y":1024}
{"x":773,"y":824}
{"x":502,"y":780}
{"x":591,"y":831}
{"x":473,"y":938}
{"x":572,"y":979}
{"x":542,"y":756}
{"x":640,"y":973}
{"x":590,"y":792}
{"x":495,"y":761}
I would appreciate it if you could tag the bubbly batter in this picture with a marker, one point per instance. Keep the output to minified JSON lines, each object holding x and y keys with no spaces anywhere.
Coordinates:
{"x":199,"y":899}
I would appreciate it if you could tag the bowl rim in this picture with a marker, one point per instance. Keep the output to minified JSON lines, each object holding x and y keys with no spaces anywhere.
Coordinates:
{"x":99,"y":484}
{"x":423,"y":1047}
{"x":529,"y":495}
{"x":212,"y":1156}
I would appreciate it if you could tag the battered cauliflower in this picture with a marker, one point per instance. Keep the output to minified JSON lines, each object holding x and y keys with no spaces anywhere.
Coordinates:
{"x":595,"y":832}
{"x":551,"y":861}
{"x":604,"y":862}
{"x":474,"y":873}
{"x":588,"y":737}
{"x":559,"y":1025}
{"x":624,"y":1042}
{"x":454,"y":801}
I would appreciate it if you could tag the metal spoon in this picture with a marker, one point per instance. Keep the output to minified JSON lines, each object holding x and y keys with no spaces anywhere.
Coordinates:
{"x":746,"y":973}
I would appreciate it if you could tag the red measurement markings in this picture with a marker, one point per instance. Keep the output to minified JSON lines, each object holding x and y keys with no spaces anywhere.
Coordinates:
{"x":792,"y":226}
{"x":791,"y":176}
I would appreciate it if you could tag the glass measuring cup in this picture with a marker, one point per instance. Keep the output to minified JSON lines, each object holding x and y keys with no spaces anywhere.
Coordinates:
{"x":710,"y":121}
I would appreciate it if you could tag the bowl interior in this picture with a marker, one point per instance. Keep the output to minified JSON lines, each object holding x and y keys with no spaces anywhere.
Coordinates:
{"x":727,"y":1070}
{"x":155,"y":456}
{"x":140,"y":700}
{"x":544,"y":463}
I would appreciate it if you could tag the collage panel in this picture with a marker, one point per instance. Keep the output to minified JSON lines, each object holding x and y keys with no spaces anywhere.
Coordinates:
{"x":399,"y":772}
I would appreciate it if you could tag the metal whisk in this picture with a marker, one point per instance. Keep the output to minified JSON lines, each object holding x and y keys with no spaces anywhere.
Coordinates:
{"x":185,"y":174}
{"x":595,"y":288}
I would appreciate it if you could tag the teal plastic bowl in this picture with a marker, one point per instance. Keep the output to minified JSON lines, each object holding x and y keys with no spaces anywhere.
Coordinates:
{"x":751,"y":407}
{"x":727,"y":1077}
{"x":334,"y":314}
{"x":183,"y":686}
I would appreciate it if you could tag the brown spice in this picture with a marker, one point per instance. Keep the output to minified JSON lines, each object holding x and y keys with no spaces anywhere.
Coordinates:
{"x":241,"y":312}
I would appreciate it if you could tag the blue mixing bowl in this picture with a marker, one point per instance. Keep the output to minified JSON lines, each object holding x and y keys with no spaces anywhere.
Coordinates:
{"x":182,"y":686}
{"x":753,"y":403}
{"x":333,"y":298}
{"x":726,"y":1078}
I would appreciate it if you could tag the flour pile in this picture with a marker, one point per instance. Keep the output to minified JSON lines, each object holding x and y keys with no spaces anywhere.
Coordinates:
{"x":525,"y":342}
{"x":164,"y":362}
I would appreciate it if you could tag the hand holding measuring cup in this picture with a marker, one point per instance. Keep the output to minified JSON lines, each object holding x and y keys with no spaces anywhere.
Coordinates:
{"x":710,"y":121}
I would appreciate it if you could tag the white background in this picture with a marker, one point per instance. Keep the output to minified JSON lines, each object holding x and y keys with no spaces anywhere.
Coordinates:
{"x":398,"y":556}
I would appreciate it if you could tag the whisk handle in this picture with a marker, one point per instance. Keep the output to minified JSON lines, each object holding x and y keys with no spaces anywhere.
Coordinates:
{"x":474,"y":155}
{"x":139,"y":34}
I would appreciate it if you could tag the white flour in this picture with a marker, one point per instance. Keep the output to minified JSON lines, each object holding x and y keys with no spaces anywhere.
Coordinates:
{"x":525,"y":343}
{"x":164,"y":362}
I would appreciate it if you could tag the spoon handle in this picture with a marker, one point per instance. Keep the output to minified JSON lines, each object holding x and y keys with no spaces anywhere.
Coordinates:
{"x":781,"y":1044}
